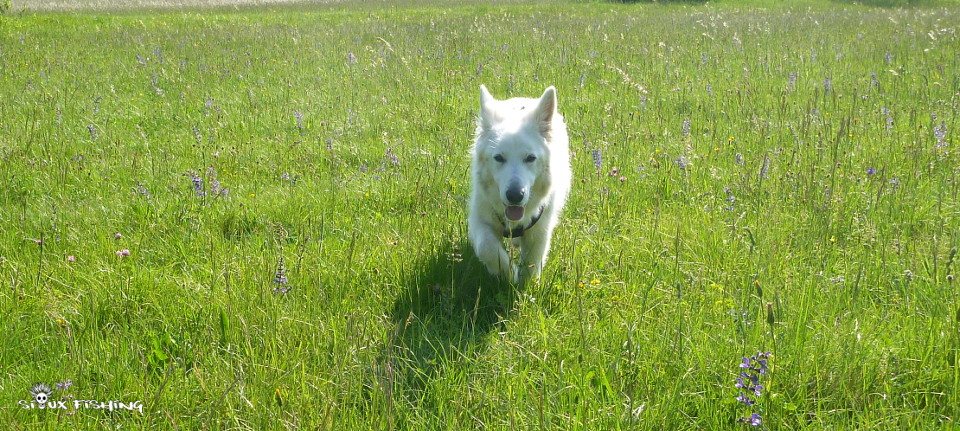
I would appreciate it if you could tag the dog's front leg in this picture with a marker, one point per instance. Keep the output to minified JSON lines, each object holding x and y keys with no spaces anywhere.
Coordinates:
{"x":534,"y":247}
{"x":489,"y":248}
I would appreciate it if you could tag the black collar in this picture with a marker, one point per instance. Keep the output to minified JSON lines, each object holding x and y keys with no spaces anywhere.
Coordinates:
{"x":518,"y":231}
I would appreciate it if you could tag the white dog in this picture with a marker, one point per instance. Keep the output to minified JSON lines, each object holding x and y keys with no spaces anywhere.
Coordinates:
{"x":521,"y":177}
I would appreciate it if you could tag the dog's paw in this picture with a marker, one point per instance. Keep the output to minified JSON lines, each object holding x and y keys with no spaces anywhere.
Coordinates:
{"x":511,"y":274}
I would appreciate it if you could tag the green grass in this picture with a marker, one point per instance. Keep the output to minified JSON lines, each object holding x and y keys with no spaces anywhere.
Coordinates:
{"x":836,"y":252}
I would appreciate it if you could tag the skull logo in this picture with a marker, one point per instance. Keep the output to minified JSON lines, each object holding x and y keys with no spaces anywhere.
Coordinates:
{"x":41,"y":393}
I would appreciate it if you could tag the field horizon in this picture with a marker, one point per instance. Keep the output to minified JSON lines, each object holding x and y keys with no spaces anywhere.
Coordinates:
{"x":254,"y":218}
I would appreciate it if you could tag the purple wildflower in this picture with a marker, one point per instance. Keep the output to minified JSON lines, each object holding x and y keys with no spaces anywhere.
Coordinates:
{"x":682,"y":162}
{"x":71,"y":258}
{"x":685,"y":127}
{"x":64,"y":385}
{"x":753,"y":420}
{"x":117,"y":235}
{"x":792,"y":80}
{"x":93,"y":131}
{"x":748,"y":383}
{"x":597,"y":159}
{"x":351,"y":59}
{"x":299,"y":118}
{"x":123,"y":253}
{"x":827,"y":85}
{"x":731,"y":199}
{"x":886,"y":112}
{"x":940,"y":132}
{"x":197,"y":184}
{"x":142,"y":191}
{"x":141,"y":60}
{"x":871,"y":171}
{"x":280,"y":278}
{"x":215,"y":186}
{"x":392,"y":157}
{"x":765,"y":167}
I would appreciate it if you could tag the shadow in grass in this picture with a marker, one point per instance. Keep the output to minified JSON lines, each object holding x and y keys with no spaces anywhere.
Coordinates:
{"x":448,"y":308}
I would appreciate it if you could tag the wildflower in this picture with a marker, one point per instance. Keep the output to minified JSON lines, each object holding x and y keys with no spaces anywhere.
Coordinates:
{"x":141,"y":60}
{"x":197,"y":183}
{"x":889,"y":58}
{"x":753,"y":420}
{"x":280,"y":278}
{"x":64,"y":385}
{"x":871,"y":171}
{"x":738,"y":159}
{"x":792,"y":80}
{"x":123,"y":253}
{"x":71,"y":259}
{"x":873,"y":80}
{"x":730,"y":198}
{"x":215,"y":187}
{"x":682,"y":162}
{"x":581,"y":80}
{"x":597,"y":159}
{"x":117,"y":235}
{"x":827,"y":85}
{"x":685,"y":128}
{"x":351,"y":59}
{"x":299,"y":118}
{"x":748,"y":383}
{"x":142,"y":191}
{"x":196,"y":133}
{"x":765,"y":167}
{"x":93,"y":131}
{"x":392,"y":157}
{"x":623,"y":179}
{"x":886,"y":112}
{"x":940,"y":132}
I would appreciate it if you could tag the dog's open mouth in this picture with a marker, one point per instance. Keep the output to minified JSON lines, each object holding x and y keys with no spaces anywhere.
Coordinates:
{"x":514,"y":212}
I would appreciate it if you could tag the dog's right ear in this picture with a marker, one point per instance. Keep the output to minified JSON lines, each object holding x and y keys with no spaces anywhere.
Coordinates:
{"x":486,"y":108}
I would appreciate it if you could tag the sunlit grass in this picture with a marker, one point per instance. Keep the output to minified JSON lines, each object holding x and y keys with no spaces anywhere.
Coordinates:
{"x":748,"y":180}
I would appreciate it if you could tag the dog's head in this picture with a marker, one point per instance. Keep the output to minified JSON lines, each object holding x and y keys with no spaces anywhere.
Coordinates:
{"x":513,"y":148}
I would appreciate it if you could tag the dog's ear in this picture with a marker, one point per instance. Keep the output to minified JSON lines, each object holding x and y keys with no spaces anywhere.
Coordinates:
{"x":547,"y":106}
{"x":486,"y":109}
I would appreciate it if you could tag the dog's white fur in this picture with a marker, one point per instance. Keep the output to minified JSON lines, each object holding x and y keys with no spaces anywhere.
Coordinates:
{"x":508,"y":133}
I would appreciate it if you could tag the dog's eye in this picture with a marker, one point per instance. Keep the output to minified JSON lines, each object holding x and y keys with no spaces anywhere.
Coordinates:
{"x":530,"y":159}
{"x":499,"y":158}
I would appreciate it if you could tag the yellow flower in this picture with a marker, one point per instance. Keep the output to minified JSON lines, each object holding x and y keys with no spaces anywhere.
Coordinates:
{"x":594,"y":282}
{"x":833,"y":239}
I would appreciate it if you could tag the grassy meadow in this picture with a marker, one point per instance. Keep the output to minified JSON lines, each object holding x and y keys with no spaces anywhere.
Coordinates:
{"x":253,"y":218}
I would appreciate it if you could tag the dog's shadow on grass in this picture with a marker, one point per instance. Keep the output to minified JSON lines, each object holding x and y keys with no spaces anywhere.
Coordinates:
{"x":446,"y":311}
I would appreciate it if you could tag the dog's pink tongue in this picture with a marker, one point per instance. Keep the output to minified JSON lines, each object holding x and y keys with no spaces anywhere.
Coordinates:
{"x":514,"y":212}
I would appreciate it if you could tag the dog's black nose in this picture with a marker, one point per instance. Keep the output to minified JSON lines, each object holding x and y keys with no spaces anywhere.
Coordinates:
{"x":515,"y":195}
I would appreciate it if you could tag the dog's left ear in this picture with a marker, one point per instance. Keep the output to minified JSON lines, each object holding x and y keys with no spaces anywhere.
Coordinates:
{"x":547,"y":106}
